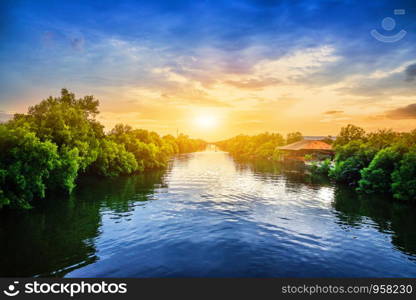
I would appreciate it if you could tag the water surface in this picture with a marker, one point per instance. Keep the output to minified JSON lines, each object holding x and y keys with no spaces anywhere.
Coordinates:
{"x":210,"y":216}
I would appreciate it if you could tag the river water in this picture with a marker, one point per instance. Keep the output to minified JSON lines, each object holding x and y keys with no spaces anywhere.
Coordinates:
{"x":209,"y":216}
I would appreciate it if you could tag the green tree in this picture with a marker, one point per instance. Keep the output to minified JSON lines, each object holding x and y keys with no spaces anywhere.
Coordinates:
{"x":113,"y":160}
{"x":347,"y":171}
{"x":141,"y":144}
{"x":348,"y":134}
{"x":261,"y":146}
{"x":169,"y":145}
{"x":64,"y":175}
{"x":349,"y":161}
{"x":293,"y":137}
{"x":265,"y":150}
{"x":68,"y":122}
{"x":376,"y":178}
{"x":382,"y":138}
{"x":59,"y":138}
{"x":404,"y":178}
{"x":150,"y":150}
{"x":328,"y":140}
{"x":26,"y":164}
{"x":355,"y":148}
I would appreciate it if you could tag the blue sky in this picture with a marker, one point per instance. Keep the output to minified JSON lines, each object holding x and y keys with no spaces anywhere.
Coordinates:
{"x":252,"y":65}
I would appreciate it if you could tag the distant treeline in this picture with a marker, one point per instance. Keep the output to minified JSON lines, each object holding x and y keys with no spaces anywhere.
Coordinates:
{"x":59,"y":139}
{"x":261,"y":146}
{"x":373,"y":162}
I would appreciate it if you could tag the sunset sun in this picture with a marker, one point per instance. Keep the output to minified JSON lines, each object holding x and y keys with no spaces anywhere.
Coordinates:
{"x":206,"y":121}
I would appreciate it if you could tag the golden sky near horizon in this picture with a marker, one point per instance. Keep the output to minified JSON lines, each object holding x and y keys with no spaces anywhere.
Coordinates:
{"x":273,"y":96}
{"x":268,"y":98}
{"x":308,"y":68}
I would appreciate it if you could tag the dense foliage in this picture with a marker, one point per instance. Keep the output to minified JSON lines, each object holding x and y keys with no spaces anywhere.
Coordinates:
{"x":350,"y":159}
{"x":25,"y":166}
{"x":321,"y":168}
{"x":114,"y":160}
{"x":376,"y":162}
{"x":261,"y":146}
{"x":59,"y":139}
{"x":377,"y":176}
{"x":404,"y":177}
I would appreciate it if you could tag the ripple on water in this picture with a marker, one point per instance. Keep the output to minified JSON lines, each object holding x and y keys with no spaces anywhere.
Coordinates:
{"x":208,"y":216}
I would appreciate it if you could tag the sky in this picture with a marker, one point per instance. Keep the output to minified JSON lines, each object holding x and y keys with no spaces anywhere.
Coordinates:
{"x":215,"y":69}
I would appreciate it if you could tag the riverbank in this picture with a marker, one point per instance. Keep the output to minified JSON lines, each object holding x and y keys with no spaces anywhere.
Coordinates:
{"x":60,"y":138}
{"x":382,"y":162}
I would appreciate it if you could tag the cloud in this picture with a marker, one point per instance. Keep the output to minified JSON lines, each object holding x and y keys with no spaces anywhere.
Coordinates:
{"x":314,"y":53}
{"x":77,"y":44}
{"x":5,"y":116}
{"x":189,"y":95}
{"x":329,"y":120}
{"x":407,"y":112}
{"x":411,"y":72}
{"x":380,"y":84}
{"x":333,"y":112}
{"x":253,"y":84}
{"x":298,"y":64}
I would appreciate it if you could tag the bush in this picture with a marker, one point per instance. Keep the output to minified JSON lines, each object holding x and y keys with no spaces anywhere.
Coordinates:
{"x":347,"y":171}
{"x":321,"y":168}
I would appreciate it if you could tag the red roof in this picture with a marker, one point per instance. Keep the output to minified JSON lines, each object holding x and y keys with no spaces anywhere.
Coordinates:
{"x":307,"y":145}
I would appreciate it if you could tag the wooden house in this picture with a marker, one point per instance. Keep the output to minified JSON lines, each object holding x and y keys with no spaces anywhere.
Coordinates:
{"x":316,"y":149}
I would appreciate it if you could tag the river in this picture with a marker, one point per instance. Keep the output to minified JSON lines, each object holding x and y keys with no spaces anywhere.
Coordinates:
{"x":209,"y":216}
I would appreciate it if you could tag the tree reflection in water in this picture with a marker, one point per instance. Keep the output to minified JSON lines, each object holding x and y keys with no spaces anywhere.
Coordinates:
{"x":351,"y":208}
{"x":59,"y":236}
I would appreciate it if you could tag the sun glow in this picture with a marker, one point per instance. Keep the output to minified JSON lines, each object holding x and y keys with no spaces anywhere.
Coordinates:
{"x":206,"y":121}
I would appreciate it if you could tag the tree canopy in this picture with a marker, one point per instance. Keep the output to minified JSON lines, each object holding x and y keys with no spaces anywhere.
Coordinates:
{"x":60,"y":139}
{"x":376,"y":162}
